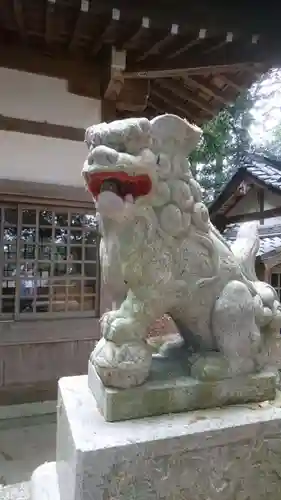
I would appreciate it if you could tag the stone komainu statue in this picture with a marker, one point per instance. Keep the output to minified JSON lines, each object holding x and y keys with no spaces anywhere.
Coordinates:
{"x":161,"y":251}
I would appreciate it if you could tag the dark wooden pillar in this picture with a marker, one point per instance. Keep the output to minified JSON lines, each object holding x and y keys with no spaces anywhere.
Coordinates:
{"x":261,"y":270}
{"x":108,"y":110}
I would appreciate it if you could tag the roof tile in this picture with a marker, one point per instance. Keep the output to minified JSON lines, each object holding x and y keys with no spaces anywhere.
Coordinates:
{"x":265,"y":169}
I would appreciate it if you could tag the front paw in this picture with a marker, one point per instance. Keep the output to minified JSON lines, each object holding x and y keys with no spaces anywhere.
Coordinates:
{"x":121,"y":330}
{"x":107,"y":319}
{"x":121,"y":366}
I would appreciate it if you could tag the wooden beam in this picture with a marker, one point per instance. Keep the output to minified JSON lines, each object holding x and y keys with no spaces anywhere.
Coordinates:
{"x":81,"y":21}
{"x":109,"y":34}
{"x":182,"y":92}
{"x":43,"y":129}
{"x":162,"y":44}
{"x":171,"y":101}
{"x":142,"y":33}
{"x":49,"y":21}
{"x":160,"y":106}
{"x":26,"y":59}
{"x":219,"y":45}
{"x":108,"y":111}
{"x":234,"y":58}
{"x":207,"y":88}
{"x":133,"y":96}
{"x":185,"y":47}
{"x":228,"y":192}
{"x":232,"y":84}
{"x":19,"y":17}
{"x":249,"y":17}
{"x":113,"y":81}
{"x":267,"y":214}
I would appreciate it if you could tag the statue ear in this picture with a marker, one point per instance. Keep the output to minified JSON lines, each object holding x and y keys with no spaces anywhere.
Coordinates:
{"x":171,"y":131}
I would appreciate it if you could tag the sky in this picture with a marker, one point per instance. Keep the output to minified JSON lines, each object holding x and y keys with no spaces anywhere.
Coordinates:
{"x":267,"y":110}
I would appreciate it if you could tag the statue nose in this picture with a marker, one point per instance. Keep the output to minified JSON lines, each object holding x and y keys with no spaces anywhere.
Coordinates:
{"x":103,"y":155}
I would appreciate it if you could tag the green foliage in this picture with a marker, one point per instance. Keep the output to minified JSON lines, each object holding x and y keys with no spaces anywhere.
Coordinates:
{"x":272,"y":147}
{"x":222,"y":148}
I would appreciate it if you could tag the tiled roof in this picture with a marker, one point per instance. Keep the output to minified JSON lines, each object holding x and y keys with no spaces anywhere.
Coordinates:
{"x":268,"y":171}
{"x":265,"y":170}
{"x":270,"y":237}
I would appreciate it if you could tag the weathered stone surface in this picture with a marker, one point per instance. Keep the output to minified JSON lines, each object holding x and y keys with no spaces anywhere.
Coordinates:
{"x":161,"y":254}
{"x":18,"y":491}
{"x":170,"y":390}
{"x":44,"y":482}
{"x":232,"y":453}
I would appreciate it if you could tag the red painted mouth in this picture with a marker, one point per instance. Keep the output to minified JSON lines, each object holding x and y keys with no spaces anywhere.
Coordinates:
{"x":139,"y":185}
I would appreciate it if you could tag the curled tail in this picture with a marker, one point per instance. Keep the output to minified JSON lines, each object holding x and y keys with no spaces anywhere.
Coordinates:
{"x":266,"y":302}
{"x":246,"y":247}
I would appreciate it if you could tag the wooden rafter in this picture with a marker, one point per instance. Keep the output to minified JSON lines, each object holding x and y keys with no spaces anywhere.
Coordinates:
{"x":185,"y":47}
{"x":172,"y":101}
{"x":10,"y":124}
{"x":108,"y":35}
{"x":82,"y":18}
{"x":142,"y":32}
{"x":81,"y":74}
{"x":200,"y":50}
{"x":160,"y":105}
{"x":187,"y":96}
{"x":161,"y":44}
{"x":19,"y":17}
{"x":133,"y":96}
{"x":198,"y":83}
{"x":246,"y":217}
{"x":219,"y":44}
{"x":234,"y":58}
{"x":248,"y":16}
{"x":49,"y":22}
{"x":231,"y":83}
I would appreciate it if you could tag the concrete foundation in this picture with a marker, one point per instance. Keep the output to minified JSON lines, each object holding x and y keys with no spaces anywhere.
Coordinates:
{"x":232,"y":453}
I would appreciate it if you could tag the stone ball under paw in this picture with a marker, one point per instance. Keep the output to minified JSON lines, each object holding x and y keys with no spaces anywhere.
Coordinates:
{"x":122,"y":366}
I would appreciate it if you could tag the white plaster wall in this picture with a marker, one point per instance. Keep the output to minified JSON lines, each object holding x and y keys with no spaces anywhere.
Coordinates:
{"x":41,"y":98}
{"x":35,"y":158}
{"x":249,"y":203}
{"x":41,"y":159}
{"x":271,"y":200}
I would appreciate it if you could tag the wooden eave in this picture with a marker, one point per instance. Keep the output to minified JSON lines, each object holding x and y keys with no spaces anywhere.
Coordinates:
{"x":232,"y":194}
{"x":187,"y":59}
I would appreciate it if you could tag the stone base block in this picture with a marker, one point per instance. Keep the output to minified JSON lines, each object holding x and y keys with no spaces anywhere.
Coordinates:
{"x":18,"y":491}
{"x":232,"y":453}
{"x":170,"y":390}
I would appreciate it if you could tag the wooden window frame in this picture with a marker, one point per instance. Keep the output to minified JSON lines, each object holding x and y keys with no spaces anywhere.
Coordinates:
{"x":54,"y":207}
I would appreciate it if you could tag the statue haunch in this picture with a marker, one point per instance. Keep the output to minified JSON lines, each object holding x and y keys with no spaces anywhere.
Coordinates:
{"x":160,"y":248}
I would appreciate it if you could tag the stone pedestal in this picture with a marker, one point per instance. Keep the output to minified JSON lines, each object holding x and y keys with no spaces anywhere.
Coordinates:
{"x":232,"y":453}
{"x":170,"y":390}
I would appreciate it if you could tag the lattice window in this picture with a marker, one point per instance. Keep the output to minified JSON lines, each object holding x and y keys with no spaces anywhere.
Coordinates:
{"x":48,"y":262}
{"x":276,"y":282}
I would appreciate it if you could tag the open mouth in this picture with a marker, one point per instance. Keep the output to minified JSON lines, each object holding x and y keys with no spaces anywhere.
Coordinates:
{"x":120,"y":183}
